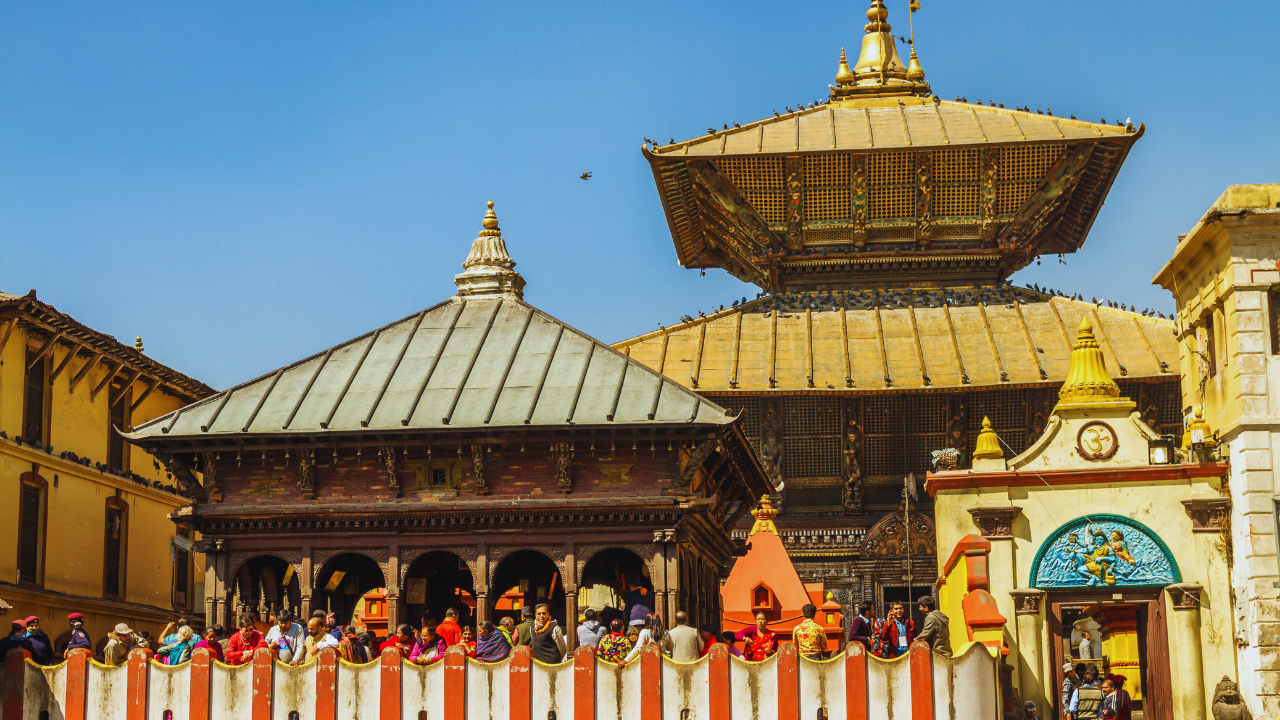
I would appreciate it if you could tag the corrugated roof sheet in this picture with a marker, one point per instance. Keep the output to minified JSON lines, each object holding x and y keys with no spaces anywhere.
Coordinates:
{"x":483,"y":362}
{"x":917,"y":339}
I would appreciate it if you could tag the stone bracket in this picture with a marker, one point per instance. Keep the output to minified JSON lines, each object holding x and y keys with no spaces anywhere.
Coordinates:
{"x":1027,"y":601}
{"x":995,"y":523}
{"x":1207,"y":514}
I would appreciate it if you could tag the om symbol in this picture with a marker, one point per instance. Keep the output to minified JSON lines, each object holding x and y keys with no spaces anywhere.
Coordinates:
{"x":1096,"y":441}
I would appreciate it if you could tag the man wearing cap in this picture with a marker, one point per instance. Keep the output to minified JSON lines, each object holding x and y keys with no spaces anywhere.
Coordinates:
{"x":122,"y":641}
{"x":524,"y":631}
{"x":41,"y":647}
{"x":17,"y":638}
{"x":1069,"y":684}
{"x":79,"y":638}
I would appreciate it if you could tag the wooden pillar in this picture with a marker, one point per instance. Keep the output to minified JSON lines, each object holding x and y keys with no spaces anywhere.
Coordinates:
{"x":136,"y":685}
{"x":674,"y":580}
{"x":570,"y":582}
{"x":389,"y":683}
{"x":660,"y":578}
{"x":198,"y":702}
{"x":481,"y":583}
{"x":77,"y":684}
{"x":921,"y":659}
{"x":15,"y":669}
{"x":519,"y":683}
{"x":327,"y":684}
{"x":305,"y":581}
{"x":393,"y":589}
{"x":855,"y":682}
{"x":584,"y":682}
{"x":455,"y":684}
{"x":788,"y":681}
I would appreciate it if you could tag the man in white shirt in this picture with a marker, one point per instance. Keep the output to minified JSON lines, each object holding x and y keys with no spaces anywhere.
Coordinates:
{"x":1086,"y":647}
{"x":286,"y":637}
{"x":686,"y":640}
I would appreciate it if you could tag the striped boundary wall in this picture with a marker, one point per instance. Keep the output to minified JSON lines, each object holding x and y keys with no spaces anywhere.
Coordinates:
{"x":850,"y":686}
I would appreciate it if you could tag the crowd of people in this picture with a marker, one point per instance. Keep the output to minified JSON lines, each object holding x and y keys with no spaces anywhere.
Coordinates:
{"x":1087,"y":695}
{"x":617,"y":637}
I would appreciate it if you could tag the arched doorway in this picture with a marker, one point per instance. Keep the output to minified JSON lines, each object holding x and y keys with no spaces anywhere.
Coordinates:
{"x":265,"y":584}
{"x":434,"y":583}
{"x":613,"y":581}
{"x":342,"y":582}
{"x":526,"y":578}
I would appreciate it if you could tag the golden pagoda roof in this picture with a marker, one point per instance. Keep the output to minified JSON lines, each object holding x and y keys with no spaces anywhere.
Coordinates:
{"x":884,"y":182}
{"x":899,"y":340}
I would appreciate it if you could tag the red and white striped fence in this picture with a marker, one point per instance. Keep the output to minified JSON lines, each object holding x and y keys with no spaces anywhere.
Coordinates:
{"x":851,"y":686}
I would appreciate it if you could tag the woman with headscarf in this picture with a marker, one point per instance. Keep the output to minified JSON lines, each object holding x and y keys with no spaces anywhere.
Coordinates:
{"x":761,"y":642}
{"x":180,"y":650}
{"x":614,"y":646}
{"x":492,"y":646}
{"x":430,"y":646}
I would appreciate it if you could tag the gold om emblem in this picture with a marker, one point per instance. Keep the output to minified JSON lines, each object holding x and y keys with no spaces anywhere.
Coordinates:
{"x":1096,"y":441}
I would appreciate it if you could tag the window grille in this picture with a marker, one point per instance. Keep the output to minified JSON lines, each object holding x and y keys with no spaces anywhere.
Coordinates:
{"x":751,"y":173}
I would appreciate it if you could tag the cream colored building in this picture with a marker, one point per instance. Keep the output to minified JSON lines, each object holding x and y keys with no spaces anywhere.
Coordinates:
{"x":1224,"y":278}
{"x":1099,"y":523}
{"x":86,"y":525}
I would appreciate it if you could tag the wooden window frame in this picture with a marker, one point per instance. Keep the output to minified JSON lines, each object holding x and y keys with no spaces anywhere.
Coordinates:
{"x":1211,"y":343}
{"x":182,"y":531}
{"x":117,"y":504}
{"x":33,"y":480}
{"x":125,"y":398}
{"x":46,"y":398}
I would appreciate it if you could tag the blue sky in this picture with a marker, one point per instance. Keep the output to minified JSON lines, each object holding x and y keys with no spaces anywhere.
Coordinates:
{"x":244,"y":184}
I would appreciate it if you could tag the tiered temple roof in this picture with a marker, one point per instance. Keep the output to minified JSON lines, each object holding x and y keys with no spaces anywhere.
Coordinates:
{"x":886,"y":183}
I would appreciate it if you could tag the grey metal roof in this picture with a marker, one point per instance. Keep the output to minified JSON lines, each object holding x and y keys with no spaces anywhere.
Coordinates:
{"x":468,"y":362}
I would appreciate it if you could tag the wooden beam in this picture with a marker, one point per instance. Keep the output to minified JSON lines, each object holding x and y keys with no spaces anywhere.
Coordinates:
{"x":737,"y":341}
{"x":89,"y":365}
{"x":118,"y":395}
{"x":1101,"y":334}
{"x":991,"y":343}
{"x":93,"y":395}
{"x":915,"y":333}
{"x":1062,"y":327}
{"x":1137,"y":326}
{"x":155,"y":383}
{"x":844,"y":341}
{"x":8,"y":330}
{"x":955,"y":344}
{"x":697,"y":358}
{"x":75,"y":349}
{"x":808,"y":345}
{"x":773,"y":346}
{"x":44,"y":350}
{"x":884,"y":358}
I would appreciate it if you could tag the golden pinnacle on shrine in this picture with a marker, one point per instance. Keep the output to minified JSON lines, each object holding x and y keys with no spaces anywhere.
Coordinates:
{"x":844,"y":76}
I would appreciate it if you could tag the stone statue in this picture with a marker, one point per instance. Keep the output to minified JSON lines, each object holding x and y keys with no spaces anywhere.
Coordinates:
{"x":1227,"y":703}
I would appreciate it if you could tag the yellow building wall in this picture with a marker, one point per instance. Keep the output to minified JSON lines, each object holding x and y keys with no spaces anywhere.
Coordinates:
{"x":1155,"y":505}
{"x":75,"y":513}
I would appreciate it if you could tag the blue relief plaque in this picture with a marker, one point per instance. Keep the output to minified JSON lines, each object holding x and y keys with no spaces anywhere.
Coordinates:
{"x":1103,"y":551}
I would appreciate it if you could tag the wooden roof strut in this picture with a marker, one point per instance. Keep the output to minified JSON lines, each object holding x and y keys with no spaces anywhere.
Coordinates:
{"x":75,"y":350}
{"x":124,"y":390}
{"x":8,"y":330}
{"x":955,"y":344}
{"x":991,"y":342}
{"x":884,"y":359}
{"x":1031,"y":345}
{"x":737,"y":340}
{"x":1102,"y":335}
{"x":93,"y":394}
{"x":44,"y":350}
{"x":155,"y":383}
{"x":915,"y":333}
{"x":1138,"y":326}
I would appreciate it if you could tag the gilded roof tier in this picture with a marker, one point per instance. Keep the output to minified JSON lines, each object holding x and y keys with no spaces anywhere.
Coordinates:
{"x":884,"y":181}
{"x":890,"y":340}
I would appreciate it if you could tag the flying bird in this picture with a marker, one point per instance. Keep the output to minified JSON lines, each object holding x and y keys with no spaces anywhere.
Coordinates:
{"x":585,"y":176}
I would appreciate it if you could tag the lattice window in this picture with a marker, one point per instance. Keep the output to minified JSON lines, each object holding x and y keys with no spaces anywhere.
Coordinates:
{"x":768,"y":204}
{"x":1022,"y":169}
{"x":957,"y":201}
{"x":828,"y":237}
{"x":753,"y":173}
{"x":810,"y":416}
{"x":812,"y":457}
{"x":955,"y":231}
{"x":826,"y":170}
{"x":956,"y":166}
{"x":823,"y":497}
{"x":830,"y":203}
{"x":893,"y":233}
{"x":891,"y":179}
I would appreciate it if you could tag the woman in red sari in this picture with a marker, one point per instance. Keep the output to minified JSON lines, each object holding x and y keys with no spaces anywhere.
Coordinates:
{"x":760,"y":641}
{"x":469,"y":641}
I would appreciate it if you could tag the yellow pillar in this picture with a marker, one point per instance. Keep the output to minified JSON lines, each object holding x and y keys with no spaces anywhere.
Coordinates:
{"x":1032,"y":665}
{"x":1188,"y":683}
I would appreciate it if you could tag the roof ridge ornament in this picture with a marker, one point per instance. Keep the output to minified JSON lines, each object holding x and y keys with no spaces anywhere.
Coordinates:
{"x":489,"y":269}
{"x":764,"y":515}
{"x":1087,"y":379}
{"x":879,"y":71}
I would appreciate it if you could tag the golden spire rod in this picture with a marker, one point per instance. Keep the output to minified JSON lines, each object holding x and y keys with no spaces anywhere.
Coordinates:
{"x":879,"y":71}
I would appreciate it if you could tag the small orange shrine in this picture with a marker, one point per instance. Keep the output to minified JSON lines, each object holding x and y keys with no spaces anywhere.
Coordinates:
{"x":764,"y":580}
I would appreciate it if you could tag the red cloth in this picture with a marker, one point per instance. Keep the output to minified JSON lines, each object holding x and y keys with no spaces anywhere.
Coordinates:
{"x":706,"y":646}
{"x":471,"y":649}
{"x":761,"y":646}
{"x":890,"y":633}
{"x":240,"y":651}
{"x":450,"y":631}
{"x":215,"y":649}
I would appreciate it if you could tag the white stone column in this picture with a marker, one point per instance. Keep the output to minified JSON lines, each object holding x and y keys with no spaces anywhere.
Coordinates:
{"x":1035,"y":681}
{"x":1188,"y":676}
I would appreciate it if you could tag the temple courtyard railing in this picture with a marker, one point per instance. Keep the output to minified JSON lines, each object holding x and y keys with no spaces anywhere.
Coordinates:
{"x":851,"y":686}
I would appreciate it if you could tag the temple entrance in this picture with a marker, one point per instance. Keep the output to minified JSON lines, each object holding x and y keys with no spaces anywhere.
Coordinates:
{"x":523,"y":579}
{"x":265,"y":584}
{"x":342,"y":582}
{"x":434,"y":583}
{"x":1118,"y":633}
{"x":614,"y":581}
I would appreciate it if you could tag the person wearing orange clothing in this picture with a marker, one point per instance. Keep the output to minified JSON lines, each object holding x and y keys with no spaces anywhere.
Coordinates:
{"x":449,"y":629}
{"x":469,"y":641}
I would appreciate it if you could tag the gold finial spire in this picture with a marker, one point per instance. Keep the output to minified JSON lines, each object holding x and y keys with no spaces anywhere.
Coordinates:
{"x":488,"y":269}
{"x":843,"y":74}
{"x":137,"y":345}
{"x":988,"y":444}
{"x":879,"y":71}
{"x":915,"y":73}
{"x":1087,"y":379}
{"x":764,"y":515}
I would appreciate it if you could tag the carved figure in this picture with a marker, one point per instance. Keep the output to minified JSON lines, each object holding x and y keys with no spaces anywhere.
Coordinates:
{"x":306,"y":473}
{"x":1121,"y":548}
{"x":477,"y":469}
{"x":771,"y":443}
{"x":924,"y":201}
{"x":562,"y":453}
{"x":958,"y":429}
{"x":694,"y":460}
{"x":1097,"y":562}
{"x":859,"y":201}
{"x":389,"y":460}
{"x":990,"y":171}
{"x":853,"y":434}
{"x":1227,"y":703}
{"x":209,"y":468}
